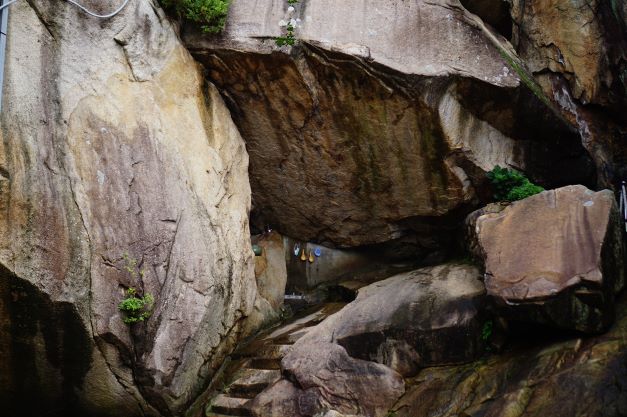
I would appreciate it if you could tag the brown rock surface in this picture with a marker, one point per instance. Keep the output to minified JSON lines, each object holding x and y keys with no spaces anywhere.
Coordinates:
{"x":113,"y":143}
{"x":577,"y":51}
{"x":430,"y":316}
{"x":366,"y":131}
{"x":574,"y":39}
{"x":575,"y":378}
{"x":556,"y":257}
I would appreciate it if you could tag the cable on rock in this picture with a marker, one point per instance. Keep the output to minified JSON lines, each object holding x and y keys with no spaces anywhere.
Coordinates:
{"x":83,"y":8}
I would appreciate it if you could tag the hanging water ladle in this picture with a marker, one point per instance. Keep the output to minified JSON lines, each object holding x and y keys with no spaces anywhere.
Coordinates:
{"x":303,"y":256}
{"x":311,"y":257}
{"x":318,"y":252}
{"x":296,"y":249}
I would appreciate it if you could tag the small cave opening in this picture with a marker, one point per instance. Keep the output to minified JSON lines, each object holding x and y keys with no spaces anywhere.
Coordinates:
{"x":495,"y":13}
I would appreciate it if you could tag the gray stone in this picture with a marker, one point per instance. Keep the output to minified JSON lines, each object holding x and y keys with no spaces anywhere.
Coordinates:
{"x":431,"y":316}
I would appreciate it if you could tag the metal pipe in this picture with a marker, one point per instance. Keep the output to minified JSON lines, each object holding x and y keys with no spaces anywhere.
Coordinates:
{"x":4,"y":25}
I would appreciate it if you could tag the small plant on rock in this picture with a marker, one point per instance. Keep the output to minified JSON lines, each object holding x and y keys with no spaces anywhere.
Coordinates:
{"x":289,"y":25}
{"x":486,"y":331}
{"x":211,"y":14}
{"x":134,"y":307}
{"x":511,"y":185}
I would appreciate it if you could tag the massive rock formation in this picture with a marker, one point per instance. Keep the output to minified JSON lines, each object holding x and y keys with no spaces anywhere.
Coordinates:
{"x":555,"y":258}
{"x":383,"y":118}
{"x":113,"y":143}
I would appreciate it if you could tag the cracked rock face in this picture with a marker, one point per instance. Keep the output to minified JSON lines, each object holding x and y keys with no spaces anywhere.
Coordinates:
{"x":113,"y":144}
{"x":577,"y":51}
{"x":382,"y":120}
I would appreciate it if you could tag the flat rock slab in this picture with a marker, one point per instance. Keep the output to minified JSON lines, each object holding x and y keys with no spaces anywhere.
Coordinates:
{"x":230,"y":405}
{"x":556,"y":257}
{"x":253,"y":381}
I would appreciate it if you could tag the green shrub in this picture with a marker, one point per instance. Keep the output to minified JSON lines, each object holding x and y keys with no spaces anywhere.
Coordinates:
{"x":136,"y":308}
{"x":211,"y":14}
{"x":511,"y":185}
{"x":289,"y":37}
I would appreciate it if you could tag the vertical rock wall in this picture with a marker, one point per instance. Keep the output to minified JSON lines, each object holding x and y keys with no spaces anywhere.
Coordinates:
{"x":577,"y":50}
{"x":113,"y":144}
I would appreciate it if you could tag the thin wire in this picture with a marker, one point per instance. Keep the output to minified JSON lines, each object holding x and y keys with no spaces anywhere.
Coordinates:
{"x":7,"y":4}
{"x":623,"y":197}
{"x":83,"y":8}
{"x":621,"y":202}
{"x":100,"y":16}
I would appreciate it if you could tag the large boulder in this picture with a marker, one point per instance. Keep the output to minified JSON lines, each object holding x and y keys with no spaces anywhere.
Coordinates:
{"x":327,"y":378}
{"x":379,"y":125}
{"x":431,"y":316}
{"x":113,"y":143}
{"x":555,"y":258}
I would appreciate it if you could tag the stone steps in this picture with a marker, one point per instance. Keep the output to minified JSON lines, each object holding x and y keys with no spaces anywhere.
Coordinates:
{"x":274,"y":351}
{"x":231,"y":406}
{"x":252,"y":382}
{"x":264,"y":364}
{"x":259,"y":364}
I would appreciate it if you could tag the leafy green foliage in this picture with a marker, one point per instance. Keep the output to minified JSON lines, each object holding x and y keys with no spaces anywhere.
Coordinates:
{"x":511,"y":185}
{"x":486,"y":331}
{"x":134,"y":307}
{"x":288,"y":39}
{"x":211,"y":14}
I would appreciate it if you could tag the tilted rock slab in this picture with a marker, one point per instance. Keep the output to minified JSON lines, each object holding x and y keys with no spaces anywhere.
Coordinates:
{"x":556,"y":258}
{"x":383,"y":119}
{"x":112,"y":143}
{"x":353,"y":361}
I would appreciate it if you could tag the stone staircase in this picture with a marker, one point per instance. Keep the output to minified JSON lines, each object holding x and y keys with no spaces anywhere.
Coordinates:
{"x":258,"y":364}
